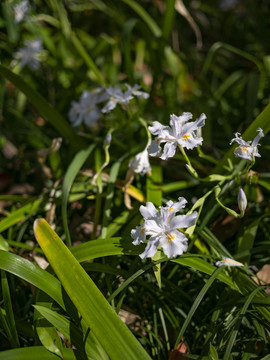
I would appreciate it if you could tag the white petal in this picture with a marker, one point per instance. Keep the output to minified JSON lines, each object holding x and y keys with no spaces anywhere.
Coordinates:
{"x":151,"y":247}
{"x":257,"y":138}
{"x":149,"y":211}
{"x":152,"y":227}
{"x":169,"y":150}
{"x":191,"y":142}
{"x":154,"y":149}
{"x":174,"y":244}
{"x":184,"y":221}
{"x":138,"y":235}
{"x":155,"y":128}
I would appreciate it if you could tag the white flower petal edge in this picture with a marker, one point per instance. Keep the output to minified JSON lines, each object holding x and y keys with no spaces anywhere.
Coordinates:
{"x":180,"y":132}
{"x":247,"y":150}
{"x":228,"y":262}
{"x":163,"y":228}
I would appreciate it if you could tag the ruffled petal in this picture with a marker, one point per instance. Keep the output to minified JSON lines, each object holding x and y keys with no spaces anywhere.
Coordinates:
{"x":184,"y":221}
{"x":152,"y":227}
{"x":155,"y":128}
{"x":138,"y":234}
{"x":257,"y":138}
{"x":149,"y":211}
{"x":151,"y":247}
{"x":169,"y":150}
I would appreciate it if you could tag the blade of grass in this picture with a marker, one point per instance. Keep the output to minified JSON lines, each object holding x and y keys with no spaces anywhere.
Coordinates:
{"x":150,"y":22}
{"x":70,"y":176}
{"x":14,"y":339}
{"x":196,"y":303}
{"x":238,"y":322}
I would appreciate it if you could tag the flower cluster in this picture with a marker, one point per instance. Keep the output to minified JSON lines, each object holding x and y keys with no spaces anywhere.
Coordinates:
{"x":181,"y":132}
{"x":20,"y":10}
{"x":247,"y":149}
{"x":86,"y":110}
{"x":163,"y":228}
{"x":29,"y":54}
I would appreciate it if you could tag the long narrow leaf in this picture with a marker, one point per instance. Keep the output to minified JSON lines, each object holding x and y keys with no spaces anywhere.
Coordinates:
{"x":112,"y":333}
{"x":70,"y":176}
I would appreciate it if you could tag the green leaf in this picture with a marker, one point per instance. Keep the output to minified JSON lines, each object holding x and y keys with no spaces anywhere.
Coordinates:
{"x":20,"y":215}
{"x":145,"y":16}
{"x":72,"y":333}
{"x":14,"y":340}
{"x":70,"y":176}
{"x":33,"y":274}
{"x":111,"y":332}
{"x":36,"y":352}
{"x":44,"y":108}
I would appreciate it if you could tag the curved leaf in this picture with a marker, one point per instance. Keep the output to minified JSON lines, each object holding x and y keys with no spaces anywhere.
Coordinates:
{"x":111,"y":332}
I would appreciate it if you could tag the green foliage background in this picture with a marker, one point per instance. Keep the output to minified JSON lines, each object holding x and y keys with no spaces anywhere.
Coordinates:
{"x":195,"y":56}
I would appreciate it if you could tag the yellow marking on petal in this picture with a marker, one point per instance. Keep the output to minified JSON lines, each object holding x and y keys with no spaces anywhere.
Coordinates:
{"x":244,"y":149}
{"x":170,"y":208}
{"x":186,"y":137}
{"x":170,"y":237}
{"x":89,"y":110}
{"x":142,"y":230}
{"x":111,"y":99}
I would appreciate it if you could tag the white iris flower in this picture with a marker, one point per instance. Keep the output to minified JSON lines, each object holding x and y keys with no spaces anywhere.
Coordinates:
{"x":228,"y":262}
{"x":247,"y":149}
{"x":180,"y":132}
{"x":85,"y":110}
{"x":29,"y":54}
{"x":135,"y":91}
{"x":116,"y":96}
{"x":20,"y":10}
{"x":162,"y":227}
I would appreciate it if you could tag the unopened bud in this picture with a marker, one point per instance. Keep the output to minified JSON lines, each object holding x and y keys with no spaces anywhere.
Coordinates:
{"x":242,"y":201}
{"x":108,"y":140}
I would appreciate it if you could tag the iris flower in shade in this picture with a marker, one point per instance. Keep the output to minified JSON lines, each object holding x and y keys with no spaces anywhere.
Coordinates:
{"x":86,"y":109}
{"x":180,"y":132}
{"x":116,"y":96}
{"x":247,"y":149}
{"x":20,"y":10}
{"x":29,"y":54}
{"x":162,"y":227}
{"x":135,"y":91}
{"x":140,"y":163}
{"x":228,"y":262}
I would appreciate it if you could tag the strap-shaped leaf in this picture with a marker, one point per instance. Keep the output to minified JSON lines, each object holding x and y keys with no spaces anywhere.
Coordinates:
{"x":112,"y":333}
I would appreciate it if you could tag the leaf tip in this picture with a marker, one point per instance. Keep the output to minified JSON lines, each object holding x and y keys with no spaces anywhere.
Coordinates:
{"x":36,"y":223}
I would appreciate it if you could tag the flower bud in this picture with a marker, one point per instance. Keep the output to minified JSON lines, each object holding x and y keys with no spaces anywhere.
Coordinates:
{"x":108,"y":140}
{"x":242,"y":201}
